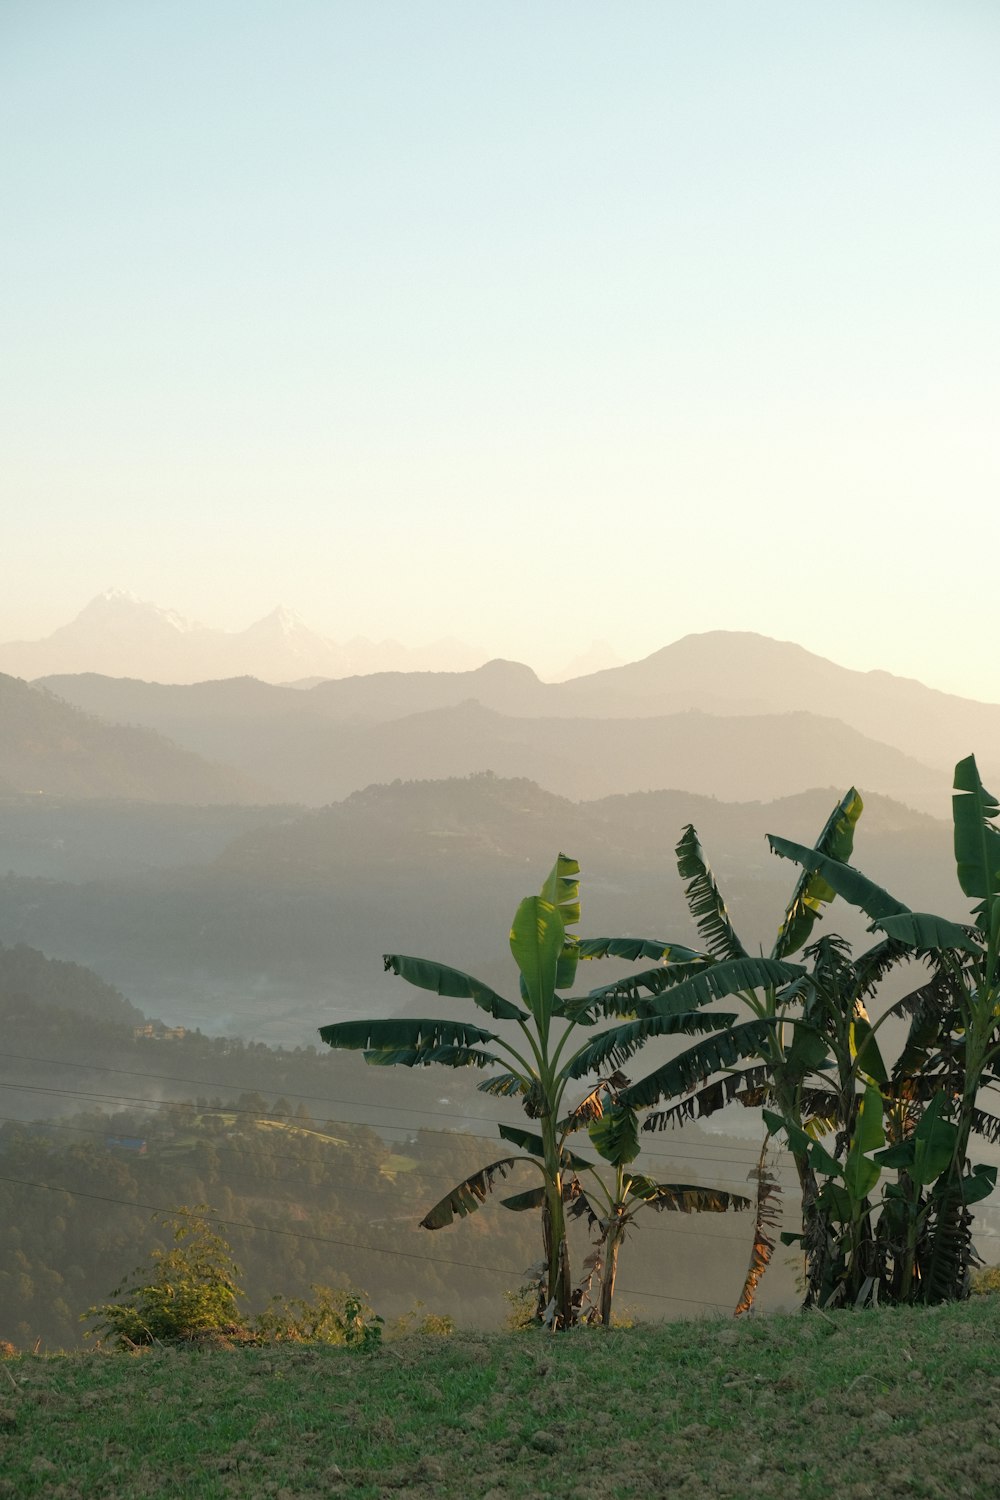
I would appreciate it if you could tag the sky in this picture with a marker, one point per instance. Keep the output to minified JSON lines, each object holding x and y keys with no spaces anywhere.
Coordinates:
{"x":532,"y":323}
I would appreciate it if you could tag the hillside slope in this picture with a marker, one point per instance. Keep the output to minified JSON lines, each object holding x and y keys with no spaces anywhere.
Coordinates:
{"x":50,"y":747}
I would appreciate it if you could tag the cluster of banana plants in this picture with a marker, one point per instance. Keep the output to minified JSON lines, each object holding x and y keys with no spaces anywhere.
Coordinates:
{"x":909,"y":1128}
{"x":800,"y":1045}
{"x":551,"y":1045}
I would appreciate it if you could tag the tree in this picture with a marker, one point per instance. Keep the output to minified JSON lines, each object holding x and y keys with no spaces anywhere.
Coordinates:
{"x":611,"y":1207}
{"x":546,"y":1058}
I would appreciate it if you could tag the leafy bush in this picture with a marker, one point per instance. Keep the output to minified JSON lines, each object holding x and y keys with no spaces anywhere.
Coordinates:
{"x":187,"y":1292}
{"x":986,"y":1280}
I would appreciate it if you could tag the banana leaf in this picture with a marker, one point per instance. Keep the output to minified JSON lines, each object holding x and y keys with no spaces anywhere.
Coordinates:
{"x":856,"y":889}
{"x":710,"y":1099}
{"x":679,"y":1197}
{"x":707,"y":982}
{"x":705,"y":901}
{"x":625,"y":997}
{"x":929,"y":1151}
{"x":528,"y":1140}
{"x":503,"y":1086}
{"x":927,"y":933}
{"x":422,"y":1057}
{"x":860,"y":1172}
{"x":812,"y":891}
{"x":519,"y":1203}
{"x":977,"y":841}
{"x":465,"y":1197}
{"x":400,"y":1031}
{"x":615,"y":1135}
{"x":537,"y":939}
{"x":693,"y":1067}
{"x":562,"y":889}
{"x":636,"y":948}
{"x":427,"y":975}
{"x":619,"y":1043}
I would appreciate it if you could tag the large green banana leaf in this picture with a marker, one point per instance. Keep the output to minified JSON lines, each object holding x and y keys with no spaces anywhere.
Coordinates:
{"x":977,"y":841}
{"x":697,"y":1063}
{"x":927,"y":933}
{"x":929,"y":1150}
{"x":427,"y":975}
{"x":743,"y":1084}
{"x":861,"y":1173}
{"x":697,"y":984}
{"x":421,"y":1057}
{"x":529,"y":1140}
{"x":855,"y":888}
{"x":562,"y":889}
{"x":619,"y":1043}
{"x":615,"y":1135}
{"x":636,"y":948}
{"x":625,"y":996}
{"x":812,"y":891}
{"x":705,"y":901}
{"x":537,"y":939}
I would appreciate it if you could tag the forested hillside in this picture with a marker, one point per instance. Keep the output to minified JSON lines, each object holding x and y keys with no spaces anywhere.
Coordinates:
{"x":321,"y":1167}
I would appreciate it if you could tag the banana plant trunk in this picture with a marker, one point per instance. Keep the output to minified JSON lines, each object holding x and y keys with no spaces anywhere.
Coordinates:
{"x":558,"y":1303}
{"x":610,"y":1271}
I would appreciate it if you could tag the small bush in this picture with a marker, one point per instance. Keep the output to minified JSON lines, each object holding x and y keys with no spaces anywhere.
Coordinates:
{"x":419,"y":1320}
{"x":986,"y":1281}
{"x":185,"y":1293}
{"x":333,"y":1318}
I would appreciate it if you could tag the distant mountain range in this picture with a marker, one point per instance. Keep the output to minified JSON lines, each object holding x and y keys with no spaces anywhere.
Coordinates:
{"x":123,"y":636}
{"x":725,"y":714}
{"x":52,"y":748}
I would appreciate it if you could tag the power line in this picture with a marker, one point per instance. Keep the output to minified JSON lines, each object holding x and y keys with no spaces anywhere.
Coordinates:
{"x":730,"y":1152}
{"x":580,"y":1147}
{"x":327,"y":1239}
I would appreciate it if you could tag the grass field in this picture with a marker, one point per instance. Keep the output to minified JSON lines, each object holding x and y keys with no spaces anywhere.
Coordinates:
{"x":879,"y":1404}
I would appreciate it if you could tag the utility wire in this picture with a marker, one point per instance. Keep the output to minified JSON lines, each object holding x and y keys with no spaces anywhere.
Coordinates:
{"x":255,"y":1089}
{"x":316,"y":1098}
{"x":328,"y":1240}
{"x":421,"y":1176}
{"x":167,"y":1104}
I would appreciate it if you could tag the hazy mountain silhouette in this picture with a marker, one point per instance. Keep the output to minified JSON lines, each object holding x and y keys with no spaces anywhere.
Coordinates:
{"x":289,"y":921}
{"x":755,"y":674}
{"x":123,"y":636}
{"x":291,"y":740}
{"x":48,"y":746}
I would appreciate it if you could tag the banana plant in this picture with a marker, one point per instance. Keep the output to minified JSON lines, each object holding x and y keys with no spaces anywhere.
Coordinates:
{"x":611,"y":1207}
{"x":852,"y":1272}
{"x":956,"y":1037}
{"x":546,"y":1055}
{"x":791,"y":1044}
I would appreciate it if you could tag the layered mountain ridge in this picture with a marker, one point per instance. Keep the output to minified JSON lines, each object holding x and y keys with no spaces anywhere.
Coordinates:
{"x":123,"y":636}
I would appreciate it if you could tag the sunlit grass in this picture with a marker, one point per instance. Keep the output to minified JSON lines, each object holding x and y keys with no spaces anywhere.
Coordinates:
{"x":855,"y":1405}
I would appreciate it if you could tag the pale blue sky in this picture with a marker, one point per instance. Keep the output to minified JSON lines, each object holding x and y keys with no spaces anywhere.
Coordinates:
{"x":528,"y":322}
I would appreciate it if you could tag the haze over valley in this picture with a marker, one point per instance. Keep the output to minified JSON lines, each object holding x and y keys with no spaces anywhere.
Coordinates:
{"x":523,"y":435}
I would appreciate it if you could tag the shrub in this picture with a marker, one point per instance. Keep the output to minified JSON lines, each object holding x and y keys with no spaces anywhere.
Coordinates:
{"x":185,"y":1293}
{"x":333,"y":1318}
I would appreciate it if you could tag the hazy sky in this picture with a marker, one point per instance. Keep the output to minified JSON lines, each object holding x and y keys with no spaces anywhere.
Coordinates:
{"x":531,"y":322}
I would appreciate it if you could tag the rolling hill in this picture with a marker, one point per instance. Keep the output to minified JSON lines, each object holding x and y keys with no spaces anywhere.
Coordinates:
{"x":52,"y":748}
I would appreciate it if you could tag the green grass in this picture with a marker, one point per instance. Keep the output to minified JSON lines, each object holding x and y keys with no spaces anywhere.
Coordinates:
{"x":856,"y":1405}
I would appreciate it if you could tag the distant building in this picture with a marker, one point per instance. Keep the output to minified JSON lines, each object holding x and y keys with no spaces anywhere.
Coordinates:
{"x":134,"y":1143}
